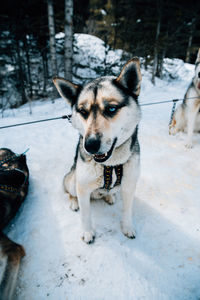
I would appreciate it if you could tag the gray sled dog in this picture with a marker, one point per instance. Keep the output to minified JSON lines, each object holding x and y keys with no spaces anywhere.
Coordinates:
{"x":187,"y":115}
{"x":106,"y":114}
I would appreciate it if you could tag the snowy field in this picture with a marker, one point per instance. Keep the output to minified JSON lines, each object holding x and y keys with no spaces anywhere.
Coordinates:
{"x":162,"y":263}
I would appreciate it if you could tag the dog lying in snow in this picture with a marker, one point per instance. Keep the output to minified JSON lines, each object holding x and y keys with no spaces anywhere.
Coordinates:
{"x":14,"y":176}
{"x":187,"y":115}
{"x":106,"y":114}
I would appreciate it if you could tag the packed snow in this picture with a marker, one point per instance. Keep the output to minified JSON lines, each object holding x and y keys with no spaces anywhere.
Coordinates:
{"x":163,"y":262}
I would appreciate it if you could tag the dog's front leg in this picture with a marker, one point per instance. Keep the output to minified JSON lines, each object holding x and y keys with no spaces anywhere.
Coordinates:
{"x":190,"y":126}
{"x":128,"y":187}
{"x":126,"y":224}
{"x":88,"y":234}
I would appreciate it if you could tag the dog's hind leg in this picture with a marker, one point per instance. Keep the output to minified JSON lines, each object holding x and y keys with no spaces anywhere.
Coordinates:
{"x":178,"y":121}
{"x":69,"y":183}
{"x":11,"y":254}
{"x":172,"y":127}
{"x":192,"y":114}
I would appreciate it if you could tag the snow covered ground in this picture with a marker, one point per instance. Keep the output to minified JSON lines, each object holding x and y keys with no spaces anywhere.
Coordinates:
{"x":162,"y":263}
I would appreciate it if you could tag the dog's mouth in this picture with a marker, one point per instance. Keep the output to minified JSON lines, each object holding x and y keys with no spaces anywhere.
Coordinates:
{"x":100,"y":158}
{"x":198,"y":85}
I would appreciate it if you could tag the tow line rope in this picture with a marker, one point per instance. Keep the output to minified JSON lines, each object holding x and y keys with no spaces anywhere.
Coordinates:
{"x":68,"y":117}
{"x":38,"y":121}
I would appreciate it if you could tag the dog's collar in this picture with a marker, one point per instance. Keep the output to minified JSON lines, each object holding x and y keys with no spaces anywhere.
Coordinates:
{"x":108,"y":170}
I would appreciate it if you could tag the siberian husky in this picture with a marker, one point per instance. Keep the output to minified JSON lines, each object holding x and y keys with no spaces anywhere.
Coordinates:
{"x":106,"y":114}
{"x":187,"y":115}
{"x":14,"y":177}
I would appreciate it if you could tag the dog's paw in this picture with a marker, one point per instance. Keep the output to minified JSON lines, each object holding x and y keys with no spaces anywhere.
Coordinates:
{"x":88,"y":236}
{"x":189,"y":145}
{"x":172,"y":130}
{"x":110,"y":199}
{"x":74,"y":203}
{"x":128,"y":231}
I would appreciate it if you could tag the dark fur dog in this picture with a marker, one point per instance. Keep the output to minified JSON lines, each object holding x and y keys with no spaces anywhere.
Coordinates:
{"x":14,"y":177}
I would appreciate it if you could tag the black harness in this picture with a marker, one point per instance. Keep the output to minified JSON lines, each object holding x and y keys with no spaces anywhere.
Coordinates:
{"x":108,"y":171}
{"x":6,"y":171}
{"x":9,"y":188}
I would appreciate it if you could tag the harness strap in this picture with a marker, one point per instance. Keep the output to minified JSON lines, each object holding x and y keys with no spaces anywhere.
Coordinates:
{"x":6,"y":169}
{"x":119,"y":174}
{"x":107,"y":177}
{"x":108,"y":170}
{"x":7,"y":158}
{"x":173,"y":110}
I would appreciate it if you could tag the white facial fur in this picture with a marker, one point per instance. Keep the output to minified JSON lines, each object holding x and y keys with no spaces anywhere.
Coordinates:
{"x":121,"y":126}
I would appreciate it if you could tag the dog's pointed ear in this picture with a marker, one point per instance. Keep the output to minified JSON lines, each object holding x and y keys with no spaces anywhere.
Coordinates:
{"x":130,"y":76}
{"x":198,"y":56}
{"x":67,"y":89}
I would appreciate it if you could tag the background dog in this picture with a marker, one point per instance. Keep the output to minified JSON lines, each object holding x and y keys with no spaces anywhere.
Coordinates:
{"x":14,"y":176}
{"x":106,"y":114}
{"x":187,"y":115}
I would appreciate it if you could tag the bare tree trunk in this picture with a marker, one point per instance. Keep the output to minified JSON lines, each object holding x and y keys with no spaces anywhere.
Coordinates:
{"x":68,"y":39}
{"x":160,"y":65}
{"x":52,"y":42}
{"x":45,"y":73}
{"x":116,"y":25}
{"x":155,"y":61}
{"x":187,"y":58}
{"x":193,"y":23}
{"x":26,"y":46}
{"x":20,"y":73}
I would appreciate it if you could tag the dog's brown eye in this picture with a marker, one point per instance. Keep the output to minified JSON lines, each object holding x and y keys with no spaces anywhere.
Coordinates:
{"x":84,"y":113}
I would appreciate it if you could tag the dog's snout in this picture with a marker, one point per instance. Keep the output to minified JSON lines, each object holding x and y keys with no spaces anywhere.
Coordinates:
{"x":92,"y":144}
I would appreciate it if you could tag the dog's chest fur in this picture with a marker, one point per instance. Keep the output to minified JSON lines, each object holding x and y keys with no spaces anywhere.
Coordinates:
{"x":91,"y":173}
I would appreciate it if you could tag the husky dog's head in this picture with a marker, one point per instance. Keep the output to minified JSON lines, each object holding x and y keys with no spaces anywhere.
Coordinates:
{"x":197,"y":70}
{"x":105,"y":111}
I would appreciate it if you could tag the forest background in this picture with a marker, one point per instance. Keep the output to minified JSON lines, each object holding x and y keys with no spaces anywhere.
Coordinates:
{"x":30,"y":55}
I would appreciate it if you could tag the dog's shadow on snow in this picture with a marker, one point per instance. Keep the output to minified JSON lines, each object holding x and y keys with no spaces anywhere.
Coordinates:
{"x":162,"y":255}
{"x":162,"y":252}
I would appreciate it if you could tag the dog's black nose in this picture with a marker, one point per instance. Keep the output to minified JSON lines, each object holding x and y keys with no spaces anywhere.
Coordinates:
{"x":199,"y":74}
{"x":92,"y":145}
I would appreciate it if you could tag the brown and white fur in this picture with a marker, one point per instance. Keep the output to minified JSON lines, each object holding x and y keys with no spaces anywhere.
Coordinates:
{"x":106,"y":114}
{"x":13,"y":175}
{"x":187,"y":115}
